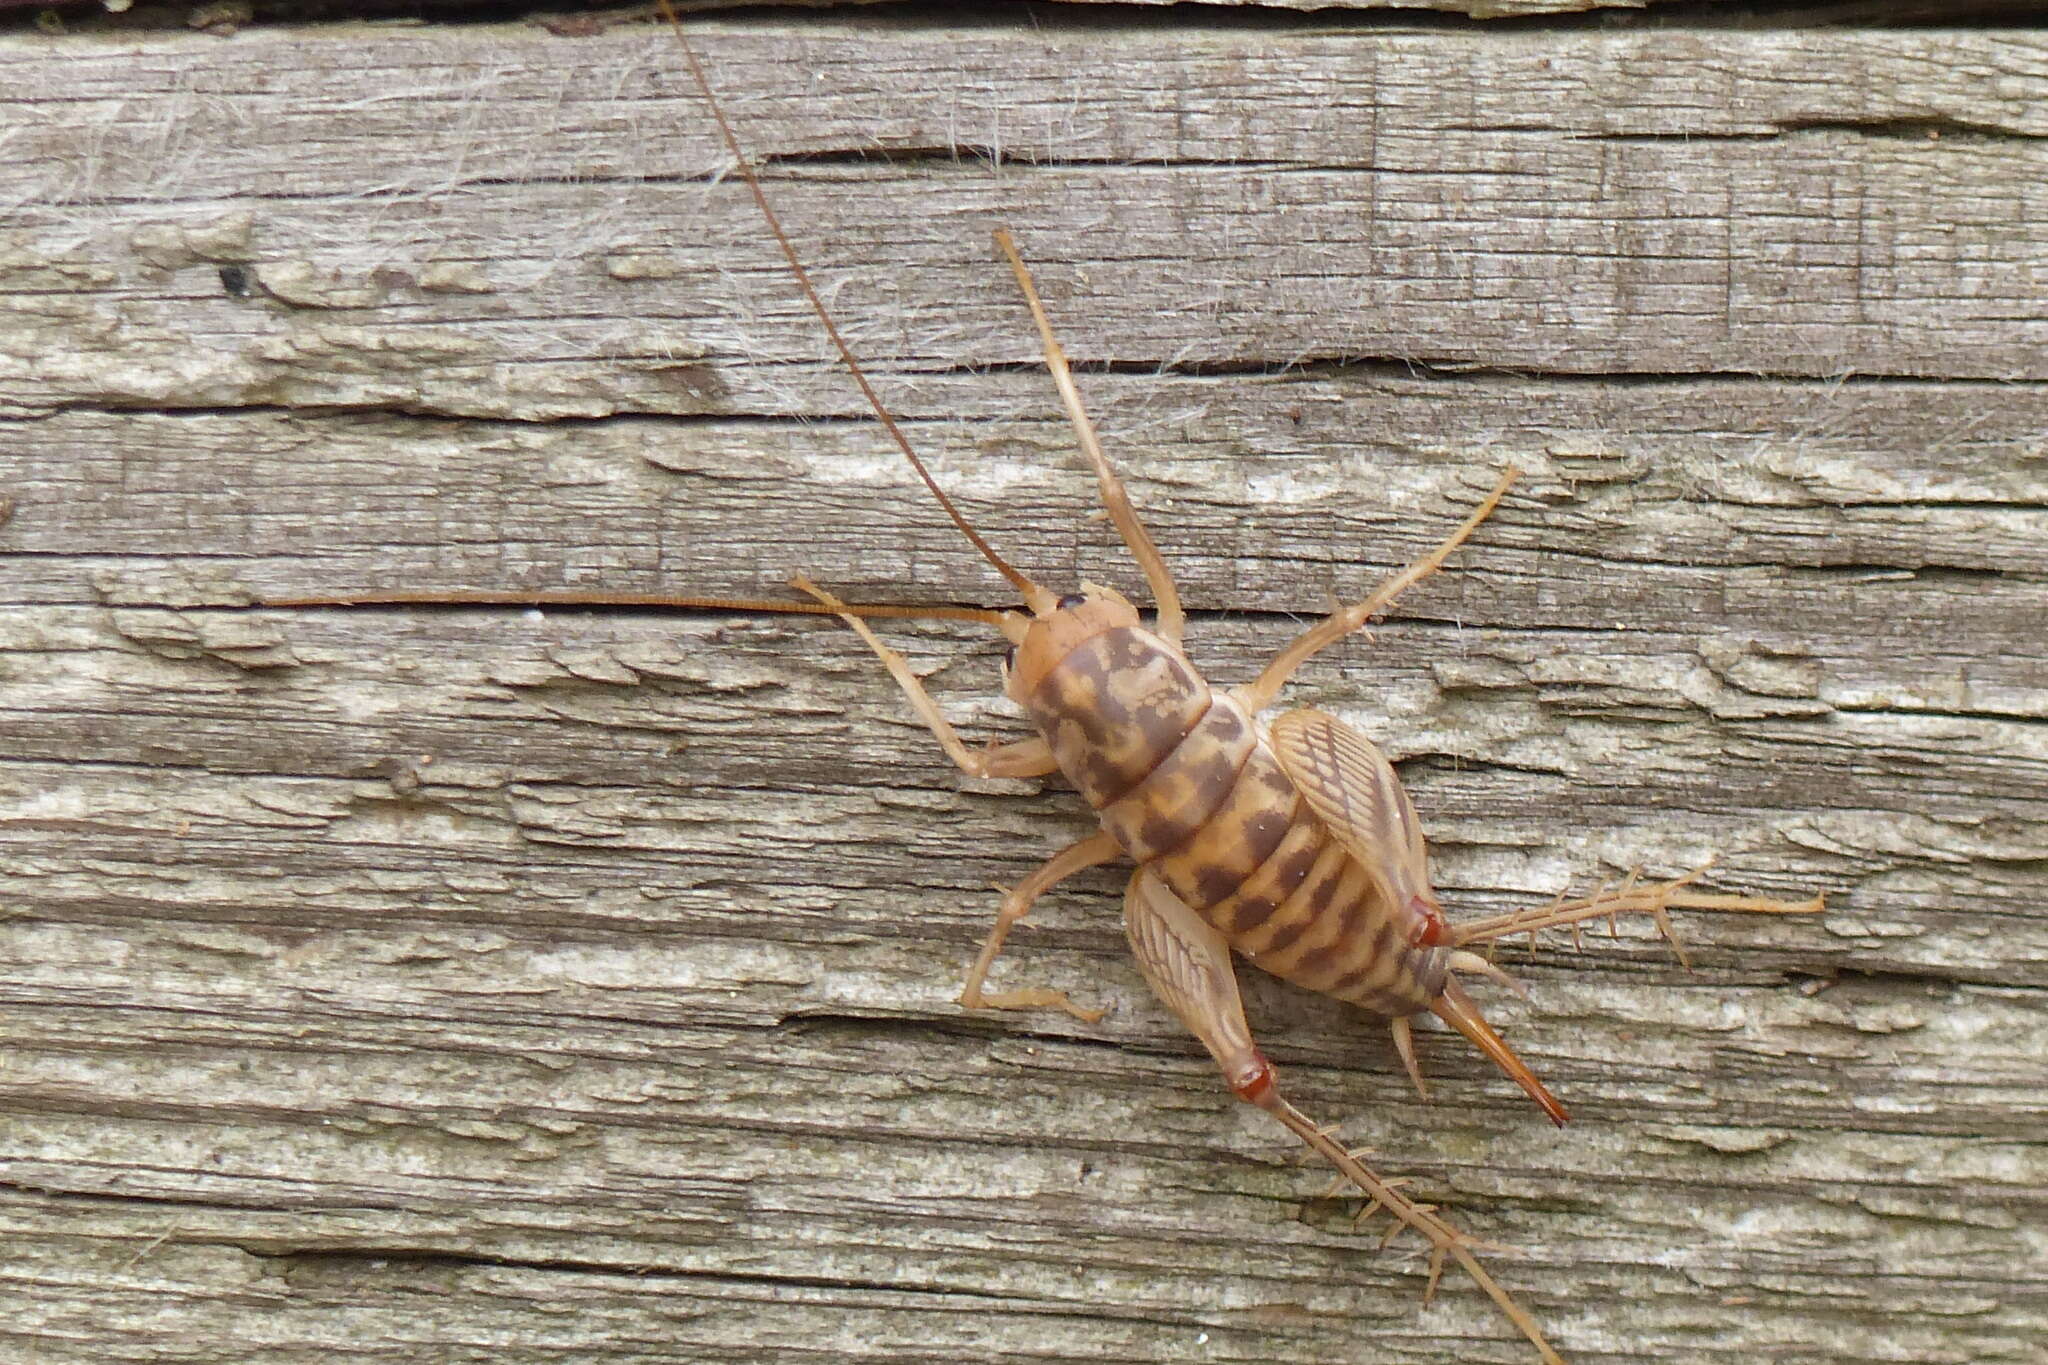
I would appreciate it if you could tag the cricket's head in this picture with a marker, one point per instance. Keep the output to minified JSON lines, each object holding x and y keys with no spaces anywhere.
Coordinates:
{"x":1056,"y":627}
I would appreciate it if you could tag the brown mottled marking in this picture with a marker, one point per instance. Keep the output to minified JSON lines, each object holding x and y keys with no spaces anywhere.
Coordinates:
{"x":1273,"y":881}
{"x":1261,"y":807}
{"x":1180,"y":798}
{"x":1114,"y":707}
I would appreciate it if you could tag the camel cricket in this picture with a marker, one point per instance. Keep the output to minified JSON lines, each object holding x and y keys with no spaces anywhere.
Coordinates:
{"x":1285,"y":838}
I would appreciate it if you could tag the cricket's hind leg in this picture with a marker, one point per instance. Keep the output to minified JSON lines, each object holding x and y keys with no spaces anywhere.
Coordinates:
{"x":1259,"y":695}
{"x":1170,"y":619}
{"x":1655,"y":899}
{"x":1188,"y":965}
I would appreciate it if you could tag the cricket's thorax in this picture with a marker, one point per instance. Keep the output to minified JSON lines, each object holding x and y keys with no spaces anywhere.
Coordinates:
{"x":1183,"y":779}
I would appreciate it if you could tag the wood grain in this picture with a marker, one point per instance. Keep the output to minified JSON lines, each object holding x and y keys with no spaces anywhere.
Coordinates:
{"x":459,"y":984}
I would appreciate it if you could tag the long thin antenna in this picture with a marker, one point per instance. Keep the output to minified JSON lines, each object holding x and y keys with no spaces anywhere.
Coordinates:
{"x":572,"y":598}
{"x":1034,"y":596}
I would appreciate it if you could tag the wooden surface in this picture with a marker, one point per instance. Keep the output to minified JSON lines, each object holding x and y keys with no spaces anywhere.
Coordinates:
{"x":475,"y":985}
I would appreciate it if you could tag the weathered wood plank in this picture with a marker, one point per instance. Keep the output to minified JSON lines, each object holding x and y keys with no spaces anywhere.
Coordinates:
{"x":529,"y":245}
{"x":462,"y":985}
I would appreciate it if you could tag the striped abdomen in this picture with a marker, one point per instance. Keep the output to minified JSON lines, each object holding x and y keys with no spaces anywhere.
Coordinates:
{"x":1184,"y":781}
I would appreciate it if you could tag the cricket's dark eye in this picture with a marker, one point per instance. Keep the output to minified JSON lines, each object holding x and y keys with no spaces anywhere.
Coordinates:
{"x":1009,"y":658}
{"x":1072,"y":600}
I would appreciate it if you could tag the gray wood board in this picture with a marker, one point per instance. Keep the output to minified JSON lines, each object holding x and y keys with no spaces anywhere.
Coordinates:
{"x":451,"y":984}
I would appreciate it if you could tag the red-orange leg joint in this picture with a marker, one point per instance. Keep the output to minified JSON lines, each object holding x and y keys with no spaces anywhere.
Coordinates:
{"x":1255,"y":1082}
{"x":1428,"y":929}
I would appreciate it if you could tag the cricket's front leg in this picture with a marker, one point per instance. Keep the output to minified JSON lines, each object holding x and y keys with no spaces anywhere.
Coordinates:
{"x":1024,"y":758}
{"x":1257,"y":696}
{"x":1188,"y":965}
